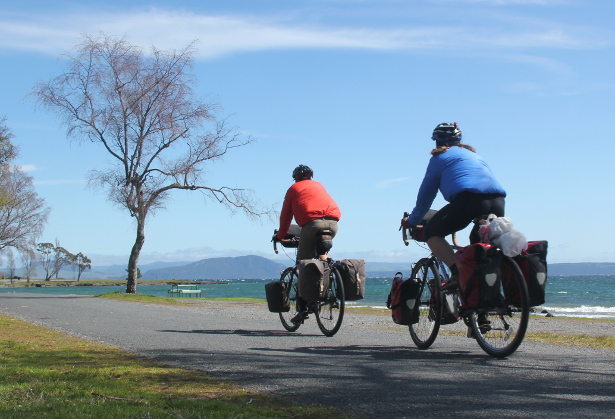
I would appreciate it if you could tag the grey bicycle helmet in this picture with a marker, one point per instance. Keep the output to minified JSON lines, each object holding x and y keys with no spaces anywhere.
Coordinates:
{"x":302,"y":172}
{"x":447,"y":133}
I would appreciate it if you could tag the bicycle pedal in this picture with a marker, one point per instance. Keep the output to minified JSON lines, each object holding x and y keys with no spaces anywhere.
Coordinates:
{"x":299,"y":318}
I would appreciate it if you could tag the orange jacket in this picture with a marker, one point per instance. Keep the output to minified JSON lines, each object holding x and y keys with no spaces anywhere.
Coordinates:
{"x":306,"y":200}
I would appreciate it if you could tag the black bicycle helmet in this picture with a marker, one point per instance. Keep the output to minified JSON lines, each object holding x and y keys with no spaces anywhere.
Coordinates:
{"x":302,"y":172}
{"x":447,"y":133}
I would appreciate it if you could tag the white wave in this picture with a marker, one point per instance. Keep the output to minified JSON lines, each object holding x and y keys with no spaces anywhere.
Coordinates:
{"x":595,"y":312}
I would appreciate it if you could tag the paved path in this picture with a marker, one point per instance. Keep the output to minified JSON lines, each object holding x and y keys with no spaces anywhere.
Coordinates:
{"x":370,"y":369}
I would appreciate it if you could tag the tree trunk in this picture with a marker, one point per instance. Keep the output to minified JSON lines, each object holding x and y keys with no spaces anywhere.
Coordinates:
{"x":131,"y":283}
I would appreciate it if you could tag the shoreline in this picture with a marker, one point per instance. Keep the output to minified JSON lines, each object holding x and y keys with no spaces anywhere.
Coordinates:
{"x":157,"y":288}
{"x":100,"y":283}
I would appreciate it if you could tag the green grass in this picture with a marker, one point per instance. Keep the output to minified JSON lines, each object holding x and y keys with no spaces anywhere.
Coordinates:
{"x":238,"y":300}
{"x":142,"y":298}
{"x":605,"y":342}
{"x":44,"y":373}
{"x":100,"y":282}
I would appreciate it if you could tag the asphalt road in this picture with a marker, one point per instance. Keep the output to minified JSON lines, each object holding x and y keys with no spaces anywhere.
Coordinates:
{"x":370,"y":369}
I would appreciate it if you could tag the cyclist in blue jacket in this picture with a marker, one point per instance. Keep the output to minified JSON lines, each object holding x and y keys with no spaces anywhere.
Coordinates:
{"x":466,"y":182}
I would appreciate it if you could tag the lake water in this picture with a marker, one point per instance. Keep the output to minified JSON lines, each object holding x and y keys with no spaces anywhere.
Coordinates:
{"x":568,"y":296}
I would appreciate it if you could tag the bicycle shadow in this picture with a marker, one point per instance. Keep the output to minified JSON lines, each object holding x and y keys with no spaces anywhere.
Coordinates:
{"x":380,"y":352}
{"x":243,"y":332}
{"x":375,"y":352}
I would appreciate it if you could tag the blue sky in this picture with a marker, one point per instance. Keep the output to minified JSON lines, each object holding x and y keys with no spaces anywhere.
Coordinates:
{"x":352,"y":88}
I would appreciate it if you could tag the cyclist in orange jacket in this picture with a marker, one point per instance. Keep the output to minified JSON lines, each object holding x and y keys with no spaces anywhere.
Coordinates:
{"x":308,"y":202}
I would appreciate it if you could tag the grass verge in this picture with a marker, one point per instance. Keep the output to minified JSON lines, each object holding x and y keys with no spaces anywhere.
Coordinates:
{"x":45,"y":373}
{"x":605,"y":342}
{"x":142,"y":298}
{"x":97,"y":282}
{"x":568,"y":339}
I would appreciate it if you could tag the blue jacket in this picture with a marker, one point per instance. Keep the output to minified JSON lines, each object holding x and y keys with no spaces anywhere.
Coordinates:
{"x":452,"y":172}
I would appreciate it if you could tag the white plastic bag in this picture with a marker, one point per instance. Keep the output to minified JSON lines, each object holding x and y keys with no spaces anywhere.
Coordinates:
{"x":501,"y":232}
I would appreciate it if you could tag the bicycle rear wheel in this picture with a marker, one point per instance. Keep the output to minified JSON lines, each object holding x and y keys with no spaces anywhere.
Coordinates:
{"x":289,"y":278}
{"x":330,"y":309}
{"x":499,"y":331}
{"x":425,"y":330}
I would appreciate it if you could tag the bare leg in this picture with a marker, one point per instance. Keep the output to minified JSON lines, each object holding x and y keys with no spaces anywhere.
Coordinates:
{"x":442,"y":250}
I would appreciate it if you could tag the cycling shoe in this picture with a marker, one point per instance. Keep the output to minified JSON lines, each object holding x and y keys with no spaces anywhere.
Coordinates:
{"x":300,"y":317}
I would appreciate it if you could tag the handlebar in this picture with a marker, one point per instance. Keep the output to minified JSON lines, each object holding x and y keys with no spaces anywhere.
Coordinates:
{"x":416,"y":232}
{"x":291,"y":240}
{"x":275,"y":241}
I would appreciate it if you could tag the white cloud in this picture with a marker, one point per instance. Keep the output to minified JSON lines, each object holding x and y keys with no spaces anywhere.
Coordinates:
{"x":26,"y":167}
{"x":220,"y":35}
{"x":389,"y":182}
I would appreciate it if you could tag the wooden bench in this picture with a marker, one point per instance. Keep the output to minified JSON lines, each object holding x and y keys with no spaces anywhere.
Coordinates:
{"x":184,"y":290}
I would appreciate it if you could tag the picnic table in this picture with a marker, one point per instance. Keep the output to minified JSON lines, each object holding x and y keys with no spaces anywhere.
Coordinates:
{"x":184,"y":290}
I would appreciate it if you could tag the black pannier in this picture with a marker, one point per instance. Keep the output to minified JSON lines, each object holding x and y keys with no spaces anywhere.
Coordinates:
{"x":277,"y":298}
{"x":353,"y":278}
{"x":313,"y":279}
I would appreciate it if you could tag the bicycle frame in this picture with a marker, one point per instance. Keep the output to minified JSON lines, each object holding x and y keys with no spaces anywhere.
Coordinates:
{"x":329,"y":309}
{"x":498,"y":329}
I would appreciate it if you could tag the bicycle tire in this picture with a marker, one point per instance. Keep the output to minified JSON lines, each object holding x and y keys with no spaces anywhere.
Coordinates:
{"x":503,"y":327}
{"x":289,"y":278}
{"x":425,"y":330}
{"x":330,"y":309}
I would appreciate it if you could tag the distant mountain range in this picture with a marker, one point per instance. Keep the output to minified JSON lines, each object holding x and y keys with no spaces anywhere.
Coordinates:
{"x":581,"y":269}
{"x":242,"y":267}
{"x":254,"y":267}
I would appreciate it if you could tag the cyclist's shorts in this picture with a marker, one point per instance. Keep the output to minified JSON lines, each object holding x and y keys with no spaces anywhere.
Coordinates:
{"x":309,"y":232}
{"x":462,"y":211}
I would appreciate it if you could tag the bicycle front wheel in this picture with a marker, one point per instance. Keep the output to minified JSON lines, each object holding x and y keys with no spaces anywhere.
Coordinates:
{"x":330,"y":309}
{"x":500,"y":330}
{"x":429,"y":304}
{"x":289,"y":278}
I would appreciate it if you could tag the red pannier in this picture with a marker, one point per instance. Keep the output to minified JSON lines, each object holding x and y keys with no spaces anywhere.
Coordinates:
{"x":479,"y":276}
{"x":533,"y":265}
{"x":402,"y":299}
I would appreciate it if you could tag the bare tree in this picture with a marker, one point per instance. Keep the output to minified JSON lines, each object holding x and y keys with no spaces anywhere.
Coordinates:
{"x":142,"y":110}
{"x":61,"y":258}
{"x":28,"y":259}
{"x":11,"y":264}
{"x":82,"y":263}
{"x":8,"y":151}
{"x":46,"y":258}
{"x":23,"y":214}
